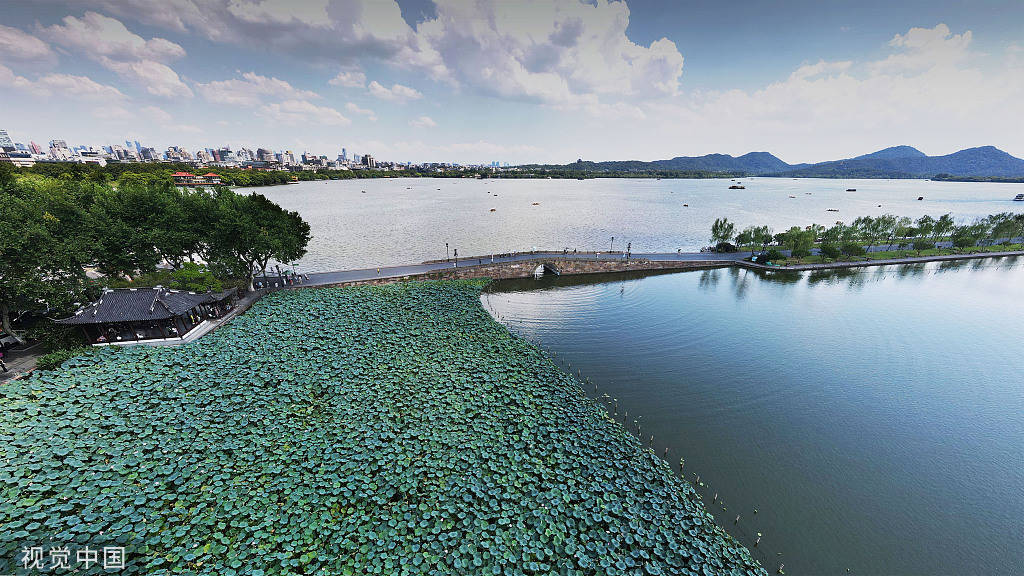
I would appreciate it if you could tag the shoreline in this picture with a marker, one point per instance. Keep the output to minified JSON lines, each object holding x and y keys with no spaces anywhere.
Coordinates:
{"x":882,"y":262}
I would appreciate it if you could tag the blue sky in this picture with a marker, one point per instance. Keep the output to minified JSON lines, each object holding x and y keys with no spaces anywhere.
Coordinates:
{"x":533,"y":81}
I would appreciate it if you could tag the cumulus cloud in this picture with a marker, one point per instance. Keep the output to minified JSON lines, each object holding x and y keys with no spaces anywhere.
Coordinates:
{"x":250,"y":89}
{"x":349,"y":79}
{"x":80,"y":87}
{"x":132,"y":57}
{"x":397,"y":92}
{"x":101,"y":36}
{"x":154,"y":77}
{"x":355,"y":109}
{"x":549,"y":51}
{"x":316,"y":29}
{"x":303,"y":112}
{"x":19,"y":46}
{"x":922,"y":48}
{"x":423,"y":122}
{"x":572,"y":53}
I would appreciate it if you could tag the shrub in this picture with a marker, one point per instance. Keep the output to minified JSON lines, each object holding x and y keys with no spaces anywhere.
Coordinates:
{"x":800,"y":252}
{"x":831,"y":251}
{"x":725,"y":247}
{"x":853,"y":249}
{"x":195,"y":278}
{"x":920,"y":245}
{"x":55,"y":337}
{"x":55,"y":359}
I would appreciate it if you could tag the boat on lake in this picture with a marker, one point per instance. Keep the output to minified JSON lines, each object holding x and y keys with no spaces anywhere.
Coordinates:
{"x":1018,"y":198}
{"x":737,"y":187}
{"x":851,"y":189}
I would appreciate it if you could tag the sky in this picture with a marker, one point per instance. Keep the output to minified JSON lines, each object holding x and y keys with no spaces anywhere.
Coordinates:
{"x":545,"y":81}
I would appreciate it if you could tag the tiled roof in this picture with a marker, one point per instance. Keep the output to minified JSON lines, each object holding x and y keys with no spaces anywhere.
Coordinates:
{"x":141,"y":304}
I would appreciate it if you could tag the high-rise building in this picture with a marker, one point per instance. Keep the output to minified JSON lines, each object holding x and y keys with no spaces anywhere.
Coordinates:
{"x":35,"y":148}
{"x":344,"y":155}
{"x":369,"y":161}
{"x":6,"y":144}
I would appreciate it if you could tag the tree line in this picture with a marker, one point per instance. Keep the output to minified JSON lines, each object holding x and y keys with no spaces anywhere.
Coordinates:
{"x":56,"y":227}
{"x":866,"y":232}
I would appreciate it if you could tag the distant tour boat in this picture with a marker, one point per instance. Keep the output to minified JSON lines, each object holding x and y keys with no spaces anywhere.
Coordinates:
{"x":920,"y":197}
{"x":851,"y":189}
{"x":832,"y":210}
{"x":737,"y":187}
{"x":1018,"y":198}
{"x":791,"y":196}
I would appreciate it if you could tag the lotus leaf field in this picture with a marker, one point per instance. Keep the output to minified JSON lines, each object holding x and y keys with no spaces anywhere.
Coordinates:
{"x":374,"y":430}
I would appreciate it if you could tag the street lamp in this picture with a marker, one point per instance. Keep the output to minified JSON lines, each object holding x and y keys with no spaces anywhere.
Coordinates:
{"x":446,"y":257}
{"x":611,"y":248}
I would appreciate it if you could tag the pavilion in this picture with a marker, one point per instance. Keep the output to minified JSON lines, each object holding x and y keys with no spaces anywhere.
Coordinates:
{"x":137,"y":314}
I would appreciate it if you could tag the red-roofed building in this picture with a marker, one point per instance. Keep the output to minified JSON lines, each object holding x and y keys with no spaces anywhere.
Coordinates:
{"x":189,"y":179}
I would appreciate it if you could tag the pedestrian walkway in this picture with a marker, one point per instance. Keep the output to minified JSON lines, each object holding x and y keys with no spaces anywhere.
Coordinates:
{"x":20,"y":361}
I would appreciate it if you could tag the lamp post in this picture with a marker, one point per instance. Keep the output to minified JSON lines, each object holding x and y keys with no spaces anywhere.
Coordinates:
{"x":611,"y":248}
{"x":446,"y":257}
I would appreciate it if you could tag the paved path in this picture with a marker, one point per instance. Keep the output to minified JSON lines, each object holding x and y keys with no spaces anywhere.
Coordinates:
{"x":21,"y":360}
{"x":323,"y":278}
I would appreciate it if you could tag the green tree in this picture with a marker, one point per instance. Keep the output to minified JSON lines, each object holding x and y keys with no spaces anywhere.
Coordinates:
{"x":722,"y":231}
{"x":250,"y":231}
{"x":763,"y":236}
{"x":42,"y":249}
{"x":798,"y":240}
{"x":746,"y":238}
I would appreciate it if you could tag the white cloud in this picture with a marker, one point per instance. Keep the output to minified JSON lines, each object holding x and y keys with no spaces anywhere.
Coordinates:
{"x":924,"y":92}
{"x":314,"y":29}
{"x":19,"y":46}
{"x":349,"y":79}
{"x":922,"y":48}
{"x":132,"y":57}
{"x":156,"y":78}
{"x":97,"y":35}
{"x":303,"y":112}
{"x":355,"y":109}
{"x":423,"y":122}
{"x":67,"y":85}
{"x":249,"y":90}
{"x":549,"y":51}
{"x":397,"y":92}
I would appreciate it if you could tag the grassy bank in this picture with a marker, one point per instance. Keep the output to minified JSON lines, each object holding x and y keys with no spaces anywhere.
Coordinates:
{"x":394,"y":430}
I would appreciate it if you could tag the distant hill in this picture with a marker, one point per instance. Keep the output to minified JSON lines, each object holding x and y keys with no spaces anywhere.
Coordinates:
{"x":894,"y":153}
{"x":907,"y":162}
{"x":894,"y":162}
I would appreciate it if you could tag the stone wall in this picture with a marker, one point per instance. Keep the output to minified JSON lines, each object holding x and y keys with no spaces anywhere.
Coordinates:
{"x":524,"y":269}
{"x":564,"y":266}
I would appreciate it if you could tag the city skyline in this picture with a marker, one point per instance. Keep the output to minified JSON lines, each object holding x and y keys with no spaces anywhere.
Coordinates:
{"x":542,"y":82}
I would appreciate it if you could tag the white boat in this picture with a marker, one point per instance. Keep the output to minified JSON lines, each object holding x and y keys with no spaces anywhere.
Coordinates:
{"x":1018,"y":198}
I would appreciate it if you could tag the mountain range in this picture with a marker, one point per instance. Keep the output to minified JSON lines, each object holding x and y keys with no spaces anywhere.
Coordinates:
{"x":894,"y":162}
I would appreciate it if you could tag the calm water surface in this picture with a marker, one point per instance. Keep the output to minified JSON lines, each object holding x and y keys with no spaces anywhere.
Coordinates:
{"x":875,"y":419}
{"x":408,"y":220}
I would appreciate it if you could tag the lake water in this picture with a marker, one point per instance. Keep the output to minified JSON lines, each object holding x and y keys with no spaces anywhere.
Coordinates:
{"x":408,"y":220}
{"x":874,"y":418}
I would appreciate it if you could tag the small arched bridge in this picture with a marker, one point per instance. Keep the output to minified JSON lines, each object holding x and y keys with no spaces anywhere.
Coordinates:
{"x":545,"y":268}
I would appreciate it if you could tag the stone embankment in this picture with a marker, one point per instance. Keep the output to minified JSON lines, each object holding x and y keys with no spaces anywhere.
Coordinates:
{"x":526,"y":269}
